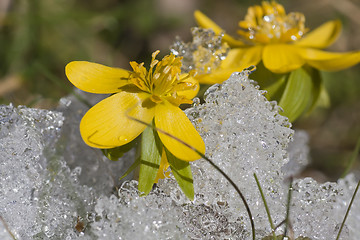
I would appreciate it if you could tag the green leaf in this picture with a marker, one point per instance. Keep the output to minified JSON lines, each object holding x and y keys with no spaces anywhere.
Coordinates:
{"x":182,"y":173}
{"x":115,"y":153}
{"x":317,"y":89}
{"x":150,"y":157}
{"x":324,"y":98}
{"x":297,"y":92}
{"x":297,"y":95}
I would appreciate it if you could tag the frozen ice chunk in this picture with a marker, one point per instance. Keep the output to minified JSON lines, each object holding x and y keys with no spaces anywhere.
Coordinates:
{"x":317,"y":210}
{"x":96,"y":170}
{"x":130,"y":216}
{"x":244,"y":134}
{"x":298,"y":154}
{"x":203,"y":54}
{"x":39,"y":197}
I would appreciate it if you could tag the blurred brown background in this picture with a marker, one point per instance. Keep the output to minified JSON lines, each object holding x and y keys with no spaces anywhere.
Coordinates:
{"x":39,"y":37}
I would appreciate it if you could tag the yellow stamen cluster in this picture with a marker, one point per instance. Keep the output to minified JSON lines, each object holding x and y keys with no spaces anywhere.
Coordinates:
{"x":269,"y":23}
{"x":163,"y":79}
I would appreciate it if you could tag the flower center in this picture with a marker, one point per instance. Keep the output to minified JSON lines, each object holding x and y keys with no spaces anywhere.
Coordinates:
{"x":269,"y":24}
{"x":163,"y":78}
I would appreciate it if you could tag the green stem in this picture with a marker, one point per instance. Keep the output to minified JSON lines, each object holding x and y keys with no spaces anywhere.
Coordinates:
{"x":288,"y":208}
{"x":266,"y":206}
{"x":348,"y":210}
{"x":352,"y":159}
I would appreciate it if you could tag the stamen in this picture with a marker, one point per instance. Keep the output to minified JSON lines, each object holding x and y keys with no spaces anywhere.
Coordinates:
{"x":153,"y":63}
{"x":156,"y":76}
{"x":166,"y":69}
{"x":162,"y":80}
{"x":154,"y":54}
{"x":270,"y":24}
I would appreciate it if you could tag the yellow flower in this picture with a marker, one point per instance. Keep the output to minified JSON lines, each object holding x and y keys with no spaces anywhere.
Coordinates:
{"x":280,"y":40}
{"x":153,"y":95}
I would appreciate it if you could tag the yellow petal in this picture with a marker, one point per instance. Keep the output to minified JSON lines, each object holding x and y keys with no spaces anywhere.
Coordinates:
{"x":163,"y":169}
{"x":329,"y":61}
{"x":205,"y":22}
{"x":217,"y":76}
{"x":322,"y":36}
{"x":96,"y":78}
{"x":232,"y":41}
{"x":106,"y":125}
{"x":242,"y":57}
{"x":190,"y":93}
{"x":282,"y":58}
{"x":237,"y":60}
{"x":173,"y":120}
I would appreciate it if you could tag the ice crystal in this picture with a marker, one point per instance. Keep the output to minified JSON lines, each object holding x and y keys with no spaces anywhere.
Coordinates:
{"x":203,"y":54}
{"x":39,"y":197}
{"x":94,"y":169}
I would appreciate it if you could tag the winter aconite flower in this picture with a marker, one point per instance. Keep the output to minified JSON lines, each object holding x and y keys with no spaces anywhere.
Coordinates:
{"x":281,"y":41}
{"x":152,"y":96}
{"x":143,"y":102}
{"x":287,"y":56}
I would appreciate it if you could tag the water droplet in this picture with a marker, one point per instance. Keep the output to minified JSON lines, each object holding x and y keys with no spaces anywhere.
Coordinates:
{"x":196,"y":102}
{"x":123,"y":138}
{"x":212,"y":89}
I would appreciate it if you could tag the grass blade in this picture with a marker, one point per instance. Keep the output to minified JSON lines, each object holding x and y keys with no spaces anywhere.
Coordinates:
{"x":348,"y":210}
{"x":352,"y":158}
{"x":266,"y":206}
{"x":288,"y":207}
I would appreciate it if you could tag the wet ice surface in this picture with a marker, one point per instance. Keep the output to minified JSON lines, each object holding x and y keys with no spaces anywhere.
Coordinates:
{"x":244,"y":134}
{"x":298,"y":152}
{"x":203,"y":54}
{"x":95,"y":170}
{"x":39,"y":194}
{"x":43,"y":190}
